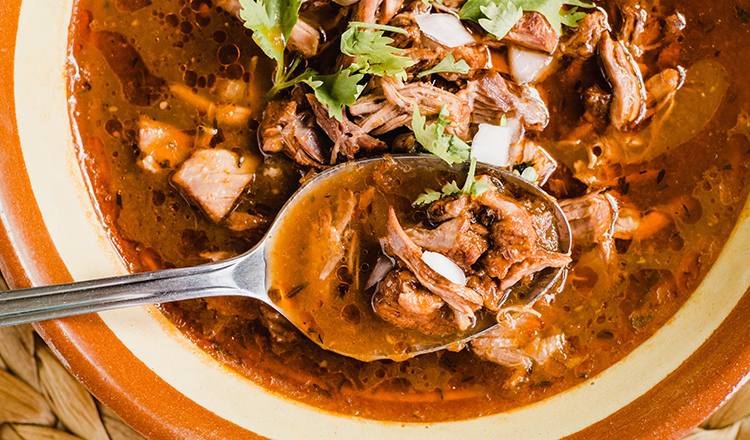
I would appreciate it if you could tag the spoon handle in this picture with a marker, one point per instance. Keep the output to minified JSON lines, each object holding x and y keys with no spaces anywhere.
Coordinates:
{"x":56,"y":301}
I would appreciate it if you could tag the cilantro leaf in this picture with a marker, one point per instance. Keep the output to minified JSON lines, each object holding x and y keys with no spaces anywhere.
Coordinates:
{"x":372,"y":51}
{"x":336,"y":90}
{"x":472,"y":9}
{"x":553,"y":12}
{"x":431,"y":196}
{"x":428,"y":197}
{"x":479,"y":187}
{"x":471,"y":187}
{"x":380,"y":27}
{"x":447,"y":65}
{"x":271,"y":22}
{"x":432,"y":137}
{"x":499,"y":16}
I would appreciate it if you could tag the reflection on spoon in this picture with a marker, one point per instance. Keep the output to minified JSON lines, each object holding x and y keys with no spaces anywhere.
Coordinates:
{"x":343,"y":261}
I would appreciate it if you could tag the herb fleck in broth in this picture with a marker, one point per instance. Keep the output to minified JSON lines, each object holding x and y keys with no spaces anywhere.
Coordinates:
{"x":192,"y":71}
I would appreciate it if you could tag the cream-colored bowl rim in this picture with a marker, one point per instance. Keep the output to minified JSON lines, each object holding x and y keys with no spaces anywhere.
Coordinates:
{"x":58,"y":185}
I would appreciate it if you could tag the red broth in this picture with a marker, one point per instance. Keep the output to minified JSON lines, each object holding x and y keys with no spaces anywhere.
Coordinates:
{"x":163,"y":59}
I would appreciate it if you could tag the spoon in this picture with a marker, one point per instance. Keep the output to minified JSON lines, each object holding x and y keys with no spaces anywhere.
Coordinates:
{"x":249,"y":275}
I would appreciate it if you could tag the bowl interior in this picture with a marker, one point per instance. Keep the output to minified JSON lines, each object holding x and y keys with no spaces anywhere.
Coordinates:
{"x":72,"y":221}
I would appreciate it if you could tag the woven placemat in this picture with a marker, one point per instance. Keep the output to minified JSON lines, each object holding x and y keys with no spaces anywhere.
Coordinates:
{"x":41,"y":400}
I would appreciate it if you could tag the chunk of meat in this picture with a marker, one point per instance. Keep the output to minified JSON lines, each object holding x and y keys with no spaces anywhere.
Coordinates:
{"x":662,"y":87}
{"x":161,"y":145}
{"x":488,"y":288}
{"x":491,"y":97}
{"x":349,"y":138}
{"x":430,"y":99}
{"x":628,"y":106}
{"x":530,"y":153}
{"x":461,"y":299}
{"x":215,"y":178}
{"x":403,"y":302}
{"x":287,"y":128}
{"x":378,"y":116}
{"x":664,"y":84}
{"x":458,"y":239}
{"x":476,"y":56}
{"x":244,"y":221}
{"x":597,"y":103}
{"x":630,"y":224}
{"x":405,"y":143}
{"x":515,"y":252}
{"x":591,"y":217}
{"x":448,"y":208}
{"x":406,"y":20}
{"x":533,"y":32}
{"x":592,"y":220}
{"x":304,"y":39}
{"x":585,"y":38}
{"x":642,"y":26}
{"x":512,"y":270}
{"x":517,"y":342}
{"x":664,"y":288}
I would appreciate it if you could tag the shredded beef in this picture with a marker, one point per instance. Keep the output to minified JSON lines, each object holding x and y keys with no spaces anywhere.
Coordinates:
{"x":290,"y":127}
{"x":349,"y":139}
{"x":403,"y":302}
{"x":628,"y":92}
{"x":492,"y":96}
{"x":461,"y":299}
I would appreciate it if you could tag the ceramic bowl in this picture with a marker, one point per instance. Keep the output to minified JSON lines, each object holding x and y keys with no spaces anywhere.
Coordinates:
{"x":137,"y":364}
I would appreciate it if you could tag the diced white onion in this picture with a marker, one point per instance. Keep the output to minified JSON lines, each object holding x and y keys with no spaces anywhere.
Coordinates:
{"x":446,"y":29}
{"x":527,"y":66}
{"x":491,"y":145}
{"x":444,"y":266}
{"x":381,"y":269}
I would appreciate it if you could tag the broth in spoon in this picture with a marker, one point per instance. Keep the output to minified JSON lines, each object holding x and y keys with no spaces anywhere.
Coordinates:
{"x":339,"y":262}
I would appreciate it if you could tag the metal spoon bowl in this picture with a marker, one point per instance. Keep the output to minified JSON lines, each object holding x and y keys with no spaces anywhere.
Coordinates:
{"x":247,"y":275}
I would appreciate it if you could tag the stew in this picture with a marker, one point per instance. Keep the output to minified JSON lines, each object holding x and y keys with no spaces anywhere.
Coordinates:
{"x":193,"y":128}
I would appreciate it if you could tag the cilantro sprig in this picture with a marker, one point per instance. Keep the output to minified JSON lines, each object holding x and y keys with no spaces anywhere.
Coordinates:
{"x":432,"y":137}
{"x":472,"y":187}
{"x":451,"y":149}
{"x":272,"y":22}
{"x":498,"y":17}
{"x":373,"y":56}
{"x":447,"y":65}
{"x":372,"y":50}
